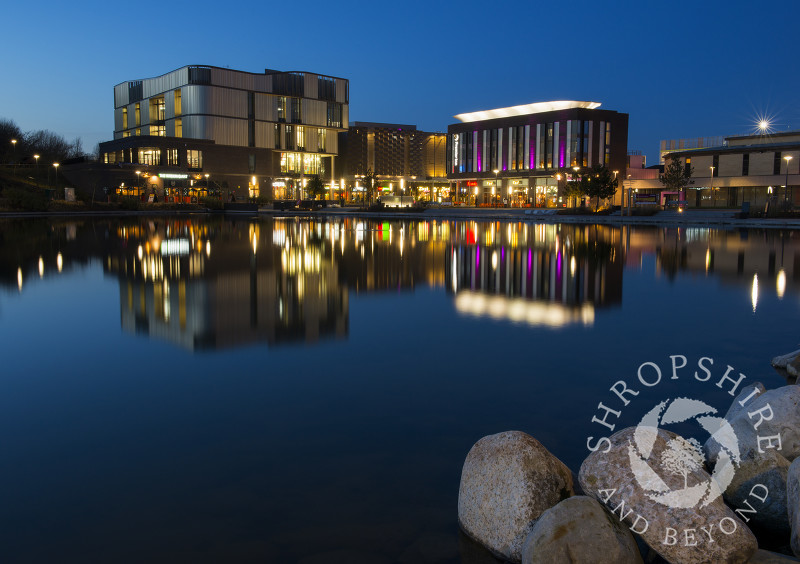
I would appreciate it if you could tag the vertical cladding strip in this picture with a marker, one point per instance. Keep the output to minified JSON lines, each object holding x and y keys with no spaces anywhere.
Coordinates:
{"x":601,"y":143}
{"x":485,"y":149}
{"x":557,"y":162}
{"x":591,"y":142}
{"x":512,"y":155}
{"x":311,"y":85}
{"x":499,"y":148}
{"x":475,"y":161}
{"x":538,"y":153}
{"x":528,"y":157}
{"x":567,"y":152}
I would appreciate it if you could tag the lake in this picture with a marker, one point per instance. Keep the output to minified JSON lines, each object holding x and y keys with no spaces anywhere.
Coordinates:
{"x":205,"y":389}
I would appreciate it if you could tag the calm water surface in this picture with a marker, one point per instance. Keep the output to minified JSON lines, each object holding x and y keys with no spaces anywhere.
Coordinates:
{"x":208,"y":390}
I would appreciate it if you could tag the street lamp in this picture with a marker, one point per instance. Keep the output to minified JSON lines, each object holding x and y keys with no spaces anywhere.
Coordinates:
{"x":138,"y":186}
{"x":787,"y":158}
{"x":496,"y":185}
{"x":576,"y":169}
{"x":56,"y":167}
{"x":36,"y":158}
{"x":14,"y":145}
{"x":208,"y":191}
{"x":711,"y":186}
{"x":615,"y":187}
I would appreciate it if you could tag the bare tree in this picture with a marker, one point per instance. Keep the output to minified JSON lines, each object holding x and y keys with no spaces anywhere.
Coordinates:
{"x":681,"y":457}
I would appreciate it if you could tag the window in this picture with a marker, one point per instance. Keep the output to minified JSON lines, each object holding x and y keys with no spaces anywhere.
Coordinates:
{"x":277,"y":136}
{"x":150,"y":156}
{"x":297,"y":110}
{"x":289,"y":136}
{"x":745,"y":164}
{"x":301,"y":138}
{"x":138,"y":115}
{"x":334,"y":114}
{"x":715,"y":164}
{"x":281,"y":109}
{"x":158,"y":109}
{"x":321,"y":140}
{"x":138,"y":131}
{"x":194,"y":158}
{"x":172,"y":157}
{"x":126,"y":133}
{"x":158,"y":130}
{"x":179,"y":127}
{"x":124,"y":118}
{"x":687,"y":167}
{"x":178,"y":109}
{"x":776,"y":164}
{"x":608,"y":144}
{"x":326,"y":88}
{"x":306,"y":163}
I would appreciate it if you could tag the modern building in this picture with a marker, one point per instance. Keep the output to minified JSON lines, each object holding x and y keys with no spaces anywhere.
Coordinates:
{"x":525,"y":154}
{"x":202,"y":129}
{"x":406,"y":161}
{"x":745,"y":168}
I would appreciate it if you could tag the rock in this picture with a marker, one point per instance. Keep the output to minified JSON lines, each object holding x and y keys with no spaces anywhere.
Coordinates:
{"x":793,"y":367}
{"x":793,"y":502}
{"x":784,"y":359}
{"x":579,"y":530}
{"x":746,"y":393}
{"x":659,"y":503}
{"x":507,"y":482}
{"x":767,"y":557}
{"x":772,"y":413}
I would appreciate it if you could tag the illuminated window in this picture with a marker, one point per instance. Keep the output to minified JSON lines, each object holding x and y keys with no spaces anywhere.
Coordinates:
{"x":282,"y":108}
{"x":138,"y":131}
{"x":301,"y":138}
{"x":172,"y":157}
{"x":138,"y":115}
{"x":179,"y":127}
{"x":149,"y":156}
{"x":194,"y":158}
{"x":124,"y":118}
{"x":178,"y":110}
{"x":126,"y":133}
{"x":158,"y":130}
{"x":297,"y":110}
{"x":158,"y":109}
{"x":321,"y":140}
{"x":334,"y":114}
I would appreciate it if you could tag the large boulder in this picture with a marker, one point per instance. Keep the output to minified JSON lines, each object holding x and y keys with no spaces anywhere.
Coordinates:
{"x":793,"y":502}
{"x":579,"y":530}
{"x":767,"y":557}
{"x":669,"y":503}
{"x":507,"y":482}
{"x":764,"y":467}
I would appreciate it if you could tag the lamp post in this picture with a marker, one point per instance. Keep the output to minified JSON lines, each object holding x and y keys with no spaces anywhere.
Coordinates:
{"x":630,"y":189}
{"x":711,"y":187}
{"x":496,"y":185}
{"x":615,"y":187}
{"x":55,"y":165}
{"x":14,"y":145}
{"x":787,"y":158}
{"x":576,"y":169}
{"x":138,"y":185}
{"x":208,"y":190}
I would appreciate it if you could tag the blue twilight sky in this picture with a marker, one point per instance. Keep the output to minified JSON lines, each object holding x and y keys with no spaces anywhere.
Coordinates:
{"x":680,"y":69}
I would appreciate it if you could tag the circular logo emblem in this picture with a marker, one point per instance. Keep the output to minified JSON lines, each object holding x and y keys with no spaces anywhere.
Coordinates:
{"x":681,"y":457}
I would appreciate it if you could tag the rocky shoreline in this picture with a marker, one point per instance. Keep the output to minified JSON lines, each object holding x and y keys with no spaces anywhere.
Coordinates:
{"x":647,"y":494}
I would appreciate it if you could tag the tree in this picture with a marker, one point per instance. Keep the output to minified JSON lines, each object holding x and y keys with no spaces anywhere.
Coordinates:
{"x":677,"y":176}
{"x":600,"y":183}
{"x":369,"y":184}
{"x":681,"y":457}
{"x":315,"y":187}
{"x":575,"y":188}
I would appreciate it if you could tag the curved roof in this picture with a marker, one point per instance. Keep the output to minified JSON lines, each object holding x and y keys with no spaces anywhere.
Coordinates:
{"x":526,"y":109}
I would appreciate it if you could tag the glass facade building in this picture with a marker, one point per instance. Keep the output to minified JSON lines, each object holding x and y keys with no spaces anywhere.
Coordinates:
{"x":523,"y":155}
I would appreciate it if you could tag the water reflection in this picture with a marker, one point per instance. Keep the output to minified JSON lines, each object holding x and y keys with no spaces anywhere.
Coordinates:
{"x":211,"y":283}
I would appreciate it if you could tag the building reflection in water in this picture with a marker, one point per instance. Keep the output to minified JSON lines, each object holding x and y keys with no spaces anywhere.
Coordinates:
{"x":550,"y":275}
{"x":216,"y":283}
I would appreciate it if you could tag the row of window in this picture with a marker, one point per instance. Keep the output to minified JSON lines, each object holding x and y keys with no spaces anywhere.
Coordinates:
{"x":776,"y":164}
{"x":541,"y":146}
{"x":154,"y":156}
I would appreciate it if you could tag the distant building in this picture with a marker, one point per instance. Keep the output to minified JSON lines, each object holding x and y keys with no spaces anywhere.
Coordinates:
{"x":744,"y":168}
{"x":534,"y":148}
{"x":202,"y":129}
{"x":405,"y":160}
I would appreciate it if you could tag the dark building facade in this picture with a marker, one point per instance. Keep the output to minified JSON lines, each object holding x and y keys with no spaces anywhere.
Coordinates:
{"x":405,"y":160}
{"x":523,"y":155}
{"x":201,"y":129}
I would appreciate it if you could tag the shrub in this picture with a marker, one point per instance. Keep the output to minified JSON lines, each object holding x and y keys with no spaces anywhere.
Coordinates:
{"x":26,"y":199}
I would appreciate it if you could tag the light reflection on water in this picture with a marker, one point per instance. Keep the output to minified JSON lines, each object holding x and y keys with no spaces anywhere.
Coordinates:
{"x":343,"y":369}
